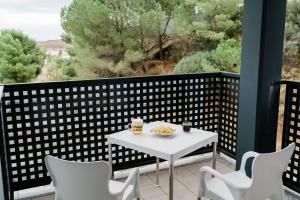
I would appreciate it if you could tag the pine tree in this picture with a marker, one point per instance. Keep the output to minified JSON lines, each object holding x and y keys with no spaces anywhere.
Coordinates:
{"x":20,"y":58}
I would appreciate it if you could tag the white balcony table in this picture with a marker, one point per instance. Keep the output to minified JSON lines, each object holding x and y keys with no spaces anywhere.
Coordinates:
{"x":169,"y":148}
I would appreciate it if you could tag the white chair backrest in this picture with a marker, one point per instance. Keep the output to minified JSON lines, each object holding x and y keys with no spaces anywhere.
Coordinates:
{"x":79,"y":181}
{"x":267,"y":171}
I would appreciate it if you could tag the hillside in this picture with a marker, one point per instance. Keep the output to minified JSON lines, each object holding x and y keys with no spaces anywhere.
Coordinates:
{"x":55,"y":47}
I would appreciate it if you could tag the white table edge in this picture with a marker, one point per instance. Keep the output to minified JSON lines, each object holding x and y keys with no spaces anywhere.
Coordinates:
{"x":148,"y":151}
{"x":170,"y":158}
{"x":193,"y":148}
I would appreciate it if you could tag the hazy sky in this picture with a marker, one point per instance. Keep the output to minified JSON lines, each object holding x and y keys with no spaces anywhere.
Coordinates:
{"x":40,"y":19}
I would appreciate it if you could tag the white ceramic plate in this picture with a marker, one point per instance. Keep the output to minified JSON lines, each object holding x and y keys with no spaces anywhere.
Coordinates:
{"x":163,"y":134}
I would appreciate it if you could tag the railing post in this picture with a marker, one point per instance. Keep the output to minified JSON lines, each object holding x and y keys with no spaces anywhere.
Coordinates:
{"x":4,"y":194}
{"x":287,"y":113}
{"x":220,"y":110}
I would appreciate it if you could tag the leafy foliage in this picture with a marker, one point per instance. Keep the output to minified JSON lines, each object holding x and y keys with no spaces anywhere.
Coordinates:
{"x":226,"y":57}
{"x":205,"y":23}
{"x":70,"y":71}
{"x":20,"y":58}
{"x":292,"y":35}
{"x":112,"y":28}
{"x":61,"y":68}
{"x":106,"y":33}
{"x":195,"y":63}
{"x":222,"y":19}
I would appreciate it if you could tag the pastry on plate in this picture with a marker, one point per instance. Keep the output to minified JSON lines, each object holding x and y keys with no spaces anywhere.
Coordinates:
{"x":163,"y":130}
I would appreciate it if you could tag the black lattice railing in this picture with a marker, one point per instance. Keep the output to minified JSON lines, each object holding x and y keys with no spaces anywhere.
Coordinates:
{"x":228,"y":115}
{"x":291,"y":133}
{"x":70,"y":119}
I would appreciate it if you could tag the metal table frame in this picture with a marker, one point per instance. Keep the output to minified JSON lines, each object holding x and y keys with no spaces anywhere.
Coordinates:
{"x":171,"y":168}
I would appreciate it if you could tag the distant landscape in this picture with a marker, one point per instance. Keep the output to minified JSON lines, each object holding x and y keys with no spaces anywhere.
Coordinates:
{"x":51,"y":48}
{"x":59,"y":48}
{"x":139,"y":38}
{"x":54,"y":47}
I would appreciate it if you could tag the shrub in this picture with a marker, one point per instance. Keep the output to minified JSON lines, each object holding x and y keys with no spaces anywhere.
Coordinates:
{"x":227,"y":55}
{"x":62,"y":68}
{"x":195,"y":63}
{"x":133,"y":56}
{"x":70,"y":71}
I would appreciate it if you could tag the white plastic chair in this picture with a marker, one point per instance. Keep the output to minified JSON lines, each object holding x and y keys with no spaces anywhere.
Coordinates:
{"x":266,"y":181}
{"x":89,"y":181}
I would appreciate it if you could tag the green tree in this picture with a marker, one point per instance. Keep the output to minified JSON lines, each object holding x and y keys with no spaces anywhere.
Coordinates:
{"x":20,"y":58}
{"x":109,"y":30}
{"x":292,"y":35}
{"x":222,"y":19}
{"x":168,"y":6}
{"x":202,"y":24}
{"x":106,"y":30}
{"x":112,"y":36}
{"x":184,"y":31}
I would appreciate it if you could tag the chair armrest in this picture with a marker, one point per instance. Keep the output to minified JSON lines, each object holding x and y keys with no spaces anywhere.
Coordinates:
{"x":133,"y":179}
{"x":204,"y":170}
{"x":233,"y":187}
{"x":246,"y":156}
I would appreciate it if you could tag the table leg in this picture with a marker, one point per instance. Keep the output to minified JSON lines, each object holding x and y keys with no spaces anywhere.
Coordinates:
{"x":171,"y":182}
{"x":215,"y":144}
{"x":157,"y":171}
{"x":110,"y":160}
